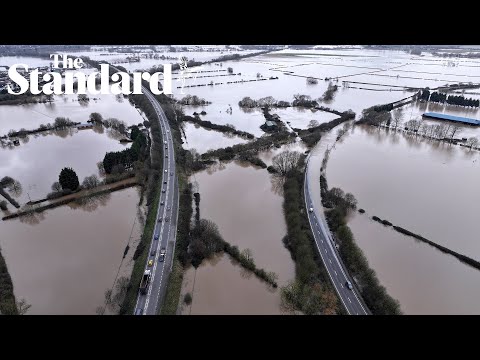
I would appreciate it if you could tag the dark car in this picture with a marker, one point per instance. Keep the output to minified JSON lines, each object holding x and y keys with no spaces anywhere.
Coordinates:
{"x":162,"y":203}
{"x":163,"y":190}
{"x":349,"y":285}
{"x":165,"y":182}
{"x":139,"y":312}
{"x":156,"y":236}
{"x":152,"y":253}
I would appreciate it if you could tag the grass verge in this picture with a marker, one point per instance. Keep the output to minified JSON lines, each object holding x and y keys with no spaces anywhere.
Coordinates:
{"x":174,"y":287}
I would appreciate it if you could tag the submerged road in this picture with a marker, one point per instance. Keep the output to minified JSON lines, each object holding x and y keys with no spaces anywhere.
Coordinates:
{"x":339,"y":276}
{"x":165,"y":232}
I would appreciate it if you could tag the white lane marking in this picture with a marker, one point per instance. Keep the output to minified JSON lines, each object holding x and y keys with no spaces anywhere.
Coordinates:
{"x":330,"y":260}
{"x":335,"y":271}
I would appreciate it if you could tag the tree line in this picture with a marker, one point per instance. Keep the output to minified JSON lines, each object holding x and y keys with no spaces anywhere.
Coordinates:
{"x":442,"y":98}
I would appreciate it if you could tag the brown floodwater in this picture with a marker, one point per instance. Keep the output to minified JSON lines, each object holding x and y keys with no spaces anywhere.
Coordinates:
{"x":428,"y":188}
{"x":37,"y":162}
{"x":423,"y":279}
{"x":246,"y":204}
{"x":63,"y":260}
{"x":221,"y":287}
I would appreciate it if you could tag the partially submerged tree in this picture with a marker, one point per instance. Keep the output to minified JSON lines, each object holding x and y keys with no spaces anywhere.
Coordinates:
{"x":286,"y":161}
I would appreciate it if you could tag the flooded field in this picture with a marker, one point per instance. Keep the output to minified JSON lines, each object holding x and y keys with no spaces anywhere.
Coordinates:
{"x":202,"y":139}
{"x":63,"y":260}
{"x":245,"y":204}
{"x":421,"y":278}
{"x":429,"y":189}
{"x":426,"y":187}
{"x":221,"y":287}
{"x":30,"y":116}
{"x":37,"y":162}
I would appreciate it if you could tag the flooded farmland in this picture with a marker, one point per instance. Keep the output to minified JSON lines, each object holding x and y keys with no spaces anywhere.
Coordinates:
{"x":64,"y":259}
{"x":244,"y":202}
{"x":429,"y":189}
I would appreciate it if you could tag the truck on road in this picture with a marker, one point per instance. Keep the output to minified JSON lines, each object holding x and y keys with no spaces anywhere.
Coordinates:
{"x":145,"y":281}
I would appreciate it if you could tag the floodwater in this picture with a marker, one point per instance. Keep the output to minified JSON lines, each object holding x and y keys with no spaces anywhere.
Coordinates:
{"x":30,"y":116}
{"x":423,"y":279}
{"x":60,"y":269}
{"x":244,"y":202}
{"x":63,"y":260}
{"x":429,"y":188}
{"x":202,"y":139}
{"x":221,"y":287}
{"x":36,"y":163}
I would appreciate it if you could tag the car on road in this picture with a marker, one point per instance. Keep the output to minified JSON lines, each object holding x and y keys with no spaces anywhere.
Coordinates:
{"x":165,"y":142}
{"x":163,"y":190}
{"x":168,"y":208}
{"x":139,"y":311}
{"x":165,"y":182}
{"x":166,"y":147}
{"x":167,"y":219}
{"x":166,"y":155}
{"x":349,"y":285}
{"x":166,"y":170}
{"x":162,"y":255}
{"x":150,"y":263}
{"x":168,"y":130}
{"x":152,"y":253}
{"x":311,"y":209}
{"x":159,"y":219}
{"x":156,"y":237}
{"x":171,"y":174}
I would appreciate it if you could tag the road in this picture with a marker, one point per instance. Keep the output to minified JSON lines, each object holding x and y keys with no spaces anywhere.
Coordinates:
{"x":350,"y":299}
{"x":166,"y":228}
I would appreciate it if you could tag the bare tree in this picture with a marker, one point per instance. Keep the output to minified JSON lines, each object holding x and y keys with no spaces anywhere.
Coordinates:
{"x":23,"y":307}
{"x":247,"y":254}
{"x":285,"y":161}
{"x":453,"y":131}
{"x":313,"y":123}
{"x":472,"y":142}
{"x":90,"y":182}
{"x":397,"y":118}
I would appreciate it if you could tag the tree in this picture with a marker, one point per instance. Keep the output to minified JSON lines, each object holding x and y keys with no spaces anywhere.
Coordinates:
{"x":83,"y":97}
{"x":188,"y":298}
{"x":3,"y":205}
{"x":62,"y":122}
{"x":350,"y":200}
{"x":247,"y":254}
{"x":247,"y":102}
{"x":396,"y":118}
{"x":312,"y":81}
{"x":230,"y":70}
{"x":285,"y":162}
{"x":472,"y":142}
{"x":313,"y":123}
{"x":90,"y":182}
{"x":23,"y":307}
{"x":453,"y":131}
{"x":96,"y":117}
{"x":134,"y":133}
{"x":68,"y":179}
{"x":56,"y":186}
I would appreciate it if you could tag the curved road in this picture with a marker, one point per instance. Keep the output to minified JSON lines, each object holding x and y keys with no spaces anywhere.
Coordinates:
{"x":166,"y":229}
{"x":352,"y":302}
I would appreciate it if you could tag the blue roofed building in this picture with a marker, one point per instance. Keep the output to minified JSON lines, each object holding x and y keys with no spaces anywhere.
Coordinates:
{"x":457,"y":119}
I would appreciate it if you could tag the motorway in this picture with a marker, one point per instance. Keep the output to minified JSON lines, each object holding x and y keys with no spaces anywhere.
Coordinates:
{"x":165,"y":230}
{"x":339,"y":276}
